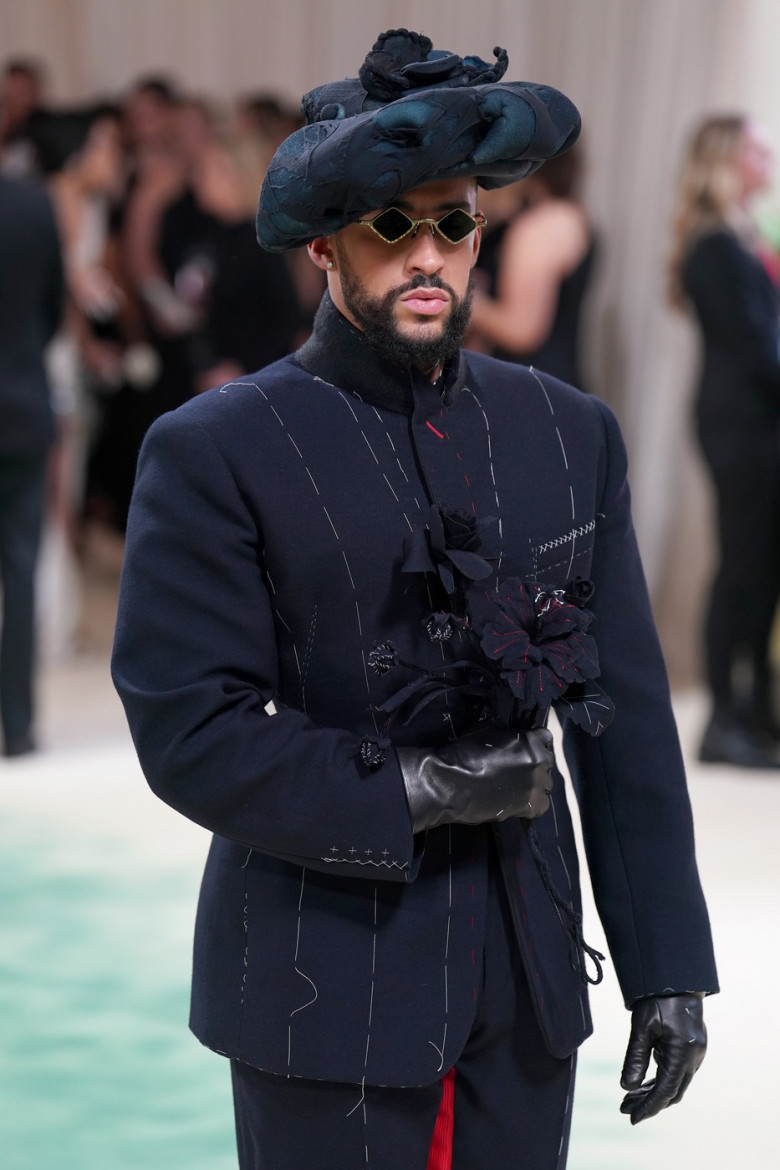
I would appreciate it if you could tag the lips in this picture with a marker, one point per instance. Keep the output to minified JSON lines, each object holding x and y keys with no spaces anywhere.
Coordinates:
{"x":425,"y":301}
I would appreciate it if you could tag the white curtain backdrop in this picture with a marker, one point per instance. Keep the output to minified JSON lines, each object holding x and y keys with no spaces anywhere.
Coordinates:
{"x":641,"y":71}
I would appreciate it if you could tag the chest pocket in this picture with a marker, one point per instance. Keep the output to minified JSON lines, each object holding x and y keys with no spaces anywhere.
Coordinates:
{"x":565,"y":556}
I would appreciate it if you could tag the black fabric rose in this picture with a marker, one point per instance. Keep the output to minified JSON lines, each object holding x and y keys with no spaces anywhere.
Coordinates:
{"x":448,"y":547}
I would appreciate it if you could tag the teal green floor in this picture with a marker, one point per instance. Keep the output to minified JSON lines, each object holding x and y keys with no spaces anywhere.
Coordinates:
{"x":98,"y":1071}
{"x":97,"y":1067}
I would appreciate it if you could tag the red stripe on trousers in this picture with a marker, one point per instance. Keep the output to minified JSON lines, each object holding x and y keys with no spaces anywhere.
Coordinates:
{"x":440,"y":1153}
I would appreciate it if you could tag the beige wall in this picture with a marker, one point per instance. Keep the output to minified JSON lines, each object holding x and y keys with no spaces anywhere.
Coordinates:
{"x":641,"y":71}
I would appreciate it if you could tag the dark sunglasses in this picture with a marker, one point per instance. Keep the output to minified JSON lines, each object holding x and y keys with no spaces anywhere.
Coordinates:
{"x":392,"y":225}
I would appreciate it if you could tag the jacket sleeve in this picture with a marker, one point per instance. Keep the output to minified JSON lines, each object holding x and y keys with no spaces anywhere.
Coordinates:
{"x":630,"y":781}
{"x":195,"y":664}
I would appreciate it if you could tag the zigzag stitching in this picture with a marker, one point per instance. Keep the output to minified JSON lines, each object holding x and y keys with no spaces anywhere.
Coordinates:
{"x":356,"y":861}
{"x":583,"y":531}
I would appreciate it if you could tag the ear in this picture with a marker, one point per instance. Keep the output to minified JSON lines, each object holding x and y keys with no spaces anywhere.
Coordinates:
{"x":321,"y":251}
{"x":476,"y":241}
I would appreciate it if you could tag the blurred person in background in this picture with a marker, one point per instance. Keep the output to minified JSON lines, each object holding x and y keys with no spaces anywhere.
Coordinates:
{"x":80,"y":156}
{"x":21,"y":106}
{"x":31,"y":291}
{"x":273,"y":119}
{"x":720,"y":268}
{"x":389,"y":939}
{"x":536,"y":264}
{"x":248,"y":311}
{"x":83,"y":161}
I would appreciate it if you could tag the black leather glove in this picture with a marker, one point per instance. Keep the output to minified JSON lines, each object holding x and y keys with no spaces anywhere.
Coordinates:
{"x":670,"y":1027}
{"x":488,"y":775}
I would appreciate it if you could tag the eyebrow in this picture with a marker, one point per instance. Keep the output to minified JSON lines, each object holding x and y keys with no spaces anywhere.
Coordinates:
{"x":455,"y":205}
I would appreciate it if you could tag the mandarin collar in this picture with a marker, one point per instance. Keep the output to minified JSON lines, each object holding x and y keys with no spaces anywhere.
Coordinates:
{"x":339,"y":353}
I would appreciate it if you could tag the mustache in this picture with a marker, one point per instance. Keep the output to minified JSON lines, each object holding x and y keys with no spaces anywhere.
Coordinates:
{"x":422,"y":281}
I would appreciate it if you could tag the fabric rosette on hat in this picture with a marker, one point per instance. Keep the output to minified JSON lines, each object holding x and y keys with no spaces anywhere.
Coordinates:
{"x":414,"y":115}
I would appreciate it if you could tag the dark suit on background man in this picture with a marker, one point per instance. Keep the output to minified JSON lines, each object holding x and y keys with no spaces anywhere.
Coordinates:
{"x":31,"y":292}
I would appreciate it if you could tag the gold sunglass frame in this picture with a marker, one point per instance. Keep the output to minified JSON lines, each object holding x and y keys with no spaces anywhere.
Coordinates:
{"x":478,"y":219}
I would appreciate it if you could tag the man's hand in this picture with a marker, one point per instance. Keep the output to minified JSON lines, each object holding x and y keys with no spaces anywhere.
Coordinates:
{"x":670,"y":1028}
{"x":488,"y":775}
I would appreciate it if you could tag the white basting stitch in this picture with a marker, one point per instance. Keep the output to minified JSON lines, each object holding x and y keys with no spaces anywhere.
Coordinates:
{"x":227,"y":386}
{"x":314,"y":485}
{"x":565,"y":867}
{"x":392,"y":489}
{"x":246,"y":934}
{"x":306,"y":658}
{"x":370,"y":1019}
{"x":541,"y":383}
{"x":281,"y":619}
{"x":581,"y":552}
{"x":489,"y":439}
{"x":446,"y":955}
{"x":554,"y":813}
{"x":355,"y":1108}
{"x":563,"y":449}
{"x":295,"y":445}
{"x":368,"y":685}
{"x":566,"y":466}
{"x":349,"y":571}
{"x":357,"y":861}
{"x":348,"y":404}
{"x":333,"y":526}
{"x":371,"y":449}
{"x":298,"y":971}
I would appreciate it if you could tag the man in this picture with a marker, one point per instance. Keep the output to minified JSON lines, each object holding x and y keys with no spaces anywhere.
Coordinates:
{"x":21,"y":114}
{"x":394,"y":542}
{"x":31,"y":294}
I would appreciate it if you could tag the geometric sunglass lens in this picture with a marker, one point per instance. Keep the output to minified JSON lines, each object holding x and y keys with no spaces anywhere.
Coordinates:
{"x":456,"y":225}
{"x":391,"y":224}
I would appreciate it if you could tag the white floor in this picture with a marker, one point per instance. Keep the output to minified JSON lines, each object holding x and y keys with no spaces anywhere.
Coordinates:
{"x":84,"y":789}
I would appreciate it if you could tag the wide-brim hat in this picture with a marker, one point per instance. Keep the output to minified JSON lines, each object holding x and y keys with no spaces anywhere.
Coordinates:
{"x":414,"y":115}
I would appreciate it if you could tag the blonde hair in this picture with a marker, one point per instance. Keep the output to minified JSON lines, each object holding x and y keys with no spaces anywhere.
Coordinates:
{"x":708,"y":193}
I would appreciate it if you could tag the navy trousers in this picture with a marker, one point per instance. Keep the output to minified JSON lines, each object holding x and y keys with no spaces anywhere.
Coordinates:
{"x":22,"y":498}
{"x":512,"y":1100}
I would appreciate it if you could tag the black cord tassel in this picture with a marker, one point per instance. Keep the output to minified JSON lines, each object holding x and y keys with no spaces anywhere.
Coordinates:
{"x":571,"y":919}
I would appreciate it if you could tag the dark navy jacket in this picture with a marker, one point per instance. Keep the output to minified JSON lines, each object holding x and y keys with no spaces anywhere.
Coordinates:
{"x":264,"y":557}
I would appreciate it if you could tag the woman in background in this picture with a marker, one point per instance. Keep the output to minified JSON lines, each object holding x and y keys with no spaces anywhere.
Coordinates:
{"x":536,"y":262}
{"x":721,"y":268}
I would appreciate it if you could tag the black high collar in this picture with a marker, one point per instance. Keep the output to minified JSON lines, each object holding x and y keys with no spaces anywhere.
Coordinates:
{"x":339,"y":353}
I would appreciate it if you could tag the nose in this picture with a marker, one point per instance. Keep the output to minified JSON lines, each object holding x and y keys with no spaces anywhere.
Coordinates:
{"x":423,"y":252}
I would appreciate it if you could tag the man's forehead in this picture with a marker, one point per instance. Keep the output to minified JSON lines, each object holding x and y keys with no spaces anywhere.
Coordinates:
{"x":438,"y":195}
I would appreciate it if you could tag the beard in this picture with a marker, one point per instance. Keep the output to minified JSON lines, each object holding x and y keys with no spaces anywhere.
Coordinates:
{"x":432,"y":345}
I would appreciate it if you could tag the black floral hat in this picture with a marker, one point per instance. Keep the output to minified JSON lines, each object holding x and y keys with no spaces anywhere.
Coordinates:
{"x":414,"y":115}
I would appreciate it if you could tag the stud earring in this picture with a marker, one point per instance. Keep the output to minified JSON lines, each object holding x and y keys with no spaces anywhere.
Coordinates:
{"x":329,"y":265}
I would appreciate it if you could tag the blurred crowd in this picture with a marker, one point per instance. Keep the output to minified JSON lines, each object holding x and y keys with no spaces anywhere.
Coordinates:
{"x":154,"y":192}
{"x":167,"y":294}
